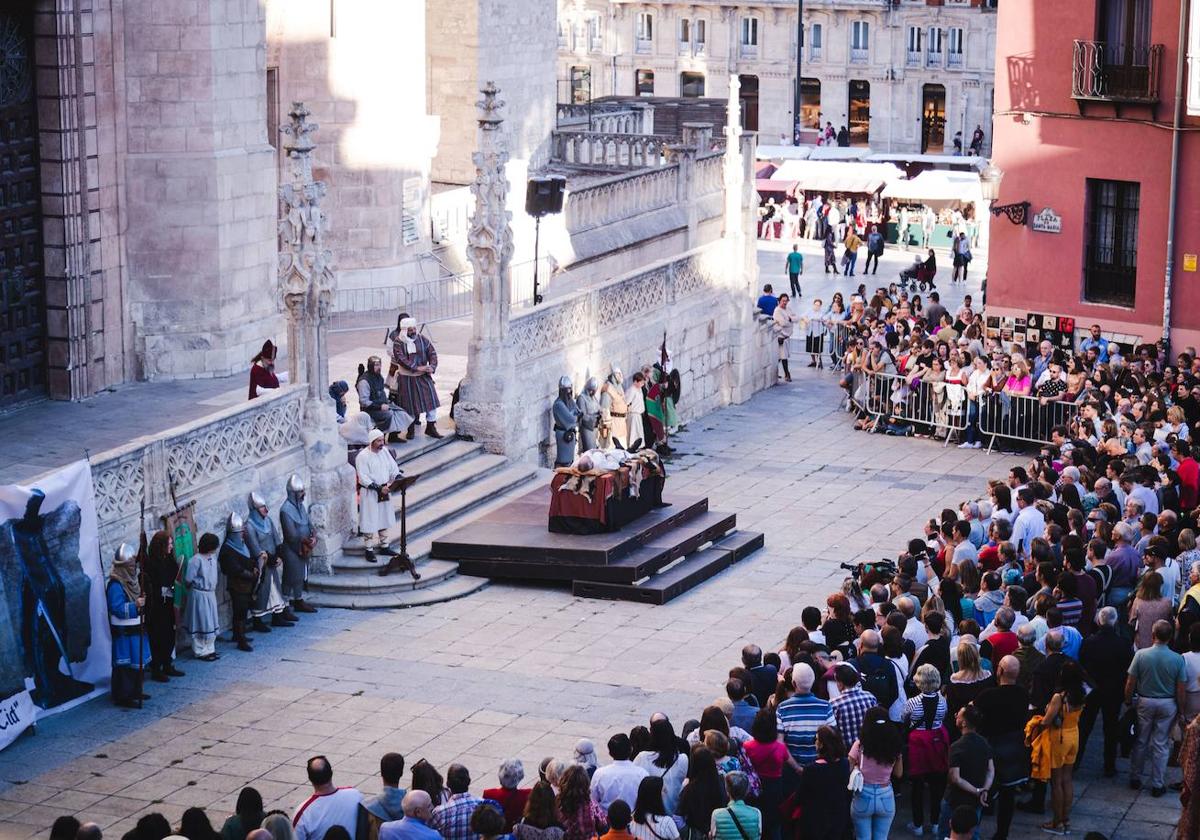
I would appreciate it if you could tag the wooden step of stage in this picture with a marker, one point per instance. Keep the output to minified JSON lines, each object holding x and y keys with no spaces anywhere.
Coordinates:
{"x":651,"y":560}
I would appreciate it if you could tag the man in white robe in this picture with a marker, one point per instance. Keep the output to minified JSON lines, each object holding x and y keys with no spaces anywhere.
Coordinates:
{"x":376,"y":470}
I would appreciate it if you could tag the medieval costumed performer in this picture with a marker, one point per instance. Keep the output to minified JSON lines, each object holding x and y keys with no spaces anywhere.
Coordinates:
{"x":161,"y":571}
{"x":263,"y":540}
{"x":373,"y":399}
{"x":299,"y":540}
{"x":614,"y":412}
{"x":376,"y":470}
{"x":589,"y":415}
{"x":262,"y":369}
{"x":565,"y":414}
{"x":416,"y":361}
{"x":241,"y":577}
{"x":200,"y":612}
{"x":635,"y":400}
{"x":130,"y":648}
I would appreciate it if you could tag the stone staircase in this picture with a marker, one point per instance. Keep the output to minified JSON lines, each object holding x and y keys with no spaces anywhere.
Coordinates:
{"x":459,"y":480}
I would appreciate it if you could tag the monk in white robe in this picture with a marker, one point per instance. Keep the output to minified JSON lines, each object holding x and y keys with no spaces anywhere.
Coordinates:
{"x":376,"y":470}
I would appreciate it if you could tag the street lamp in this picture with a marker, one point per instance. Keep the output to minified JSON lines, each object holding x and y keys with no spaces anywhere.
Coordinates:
{"x":799,"y":60}
{"x":989,"y":185}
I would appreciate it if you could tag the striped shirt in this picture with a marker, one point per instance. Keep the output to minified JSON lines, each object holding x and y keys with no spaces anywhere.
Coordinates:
{"x":914,"y":711}
{"x":799,"y":719}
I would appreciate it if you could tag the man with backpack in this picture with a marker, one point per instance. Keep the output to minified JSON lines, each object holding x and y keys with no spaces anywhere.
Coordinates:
{"x":874,"y":250}
{"x":876,"y":673}
{"x":851,"y":705}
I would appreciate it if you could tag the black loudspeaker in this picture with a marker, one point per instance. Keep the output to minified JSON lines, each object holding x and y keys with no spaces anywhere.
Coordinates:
{"x":544,"y":196}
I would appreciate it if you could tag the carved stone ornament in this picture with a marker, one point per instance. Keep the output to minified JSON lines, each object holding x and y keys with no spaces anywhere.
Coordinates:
{"x":305,"y":264}
{"x":489,"y":239}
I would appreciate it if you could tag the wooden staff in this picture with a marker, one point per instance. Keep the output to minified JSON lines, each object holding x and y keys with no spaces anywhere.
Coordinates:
{"x":143,"y":553}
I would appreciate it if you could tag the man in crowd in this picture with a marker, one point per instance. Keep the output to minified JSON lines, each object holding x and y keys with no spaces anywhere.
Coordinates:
{"x":452,"y":819}
{"x":299,"y":538}
{"x":418,"y":812}
{"x":1105,"y":657}
{"x":388,"y":805}
{"x":800,"y":716}
{"x":620,"y":779}
{"x":328,"y":806}
{"x":1158,"y":676}
{"x":851,"y":705}
{"x":763,"y":678}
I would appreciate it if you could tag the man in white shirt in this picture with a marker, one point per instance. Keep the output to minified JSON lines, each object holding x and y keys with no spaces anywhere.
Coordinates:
{"x":328,"y":806}
{"x":914,"y":630}
{"x":619,"y":780}
{"x":1030,"y":522}
{"x":964,"y":549}
{"x":1135,"y":488}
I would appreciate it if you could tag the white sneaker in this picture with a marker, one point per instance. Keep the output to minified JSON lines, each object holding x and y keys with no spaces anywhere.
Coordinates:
{"x":966,"y":444}
{"x":977,"y":445}
{"x":916,"y":830}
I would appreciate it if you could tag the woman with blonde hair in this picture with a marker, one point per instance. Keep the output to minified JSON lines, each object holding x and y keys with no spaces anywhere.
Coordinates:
{"x":1150,"y":604}
{"x":968,"y":682}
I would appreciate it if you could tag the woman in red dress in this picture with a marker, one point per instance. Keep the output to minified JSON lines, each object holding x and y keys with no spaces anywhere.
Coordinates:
{"x":262,"y":369}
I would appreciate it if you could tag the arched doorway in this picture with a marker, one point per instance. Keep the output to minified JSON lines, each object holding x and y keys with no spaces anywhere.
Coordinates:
{"x":22,"y":280}
{"x":933,"y":118}
{"x":859,"y":111}
{"x":748,"y":98}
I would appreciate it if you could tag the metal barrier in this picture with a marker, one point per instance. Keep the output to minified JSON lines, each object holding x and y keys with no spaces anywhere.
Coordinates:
{"x":1021,"y":418}
{"x":369,"y":307}
{"x":901,"y":404}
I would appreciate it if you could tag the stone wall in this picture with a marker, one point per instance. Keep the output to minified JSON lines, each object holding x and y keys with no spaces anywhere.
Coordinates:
{"x":690,"y":299}
{"x":376,"y":138}
{"x":215,"y":462}
{"x":509,"y":42}
{"x":199,"y":186}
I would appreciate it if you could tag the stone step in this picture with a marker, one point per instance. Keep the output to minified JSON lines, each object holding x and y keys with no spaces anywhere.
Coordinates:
{"x":446,"y":590}
{"x":493,"y":487}
{"x":434,"y":454}
{"x":368,"y":581}
{"x":451,"y":475}
{"x":422,"y":444}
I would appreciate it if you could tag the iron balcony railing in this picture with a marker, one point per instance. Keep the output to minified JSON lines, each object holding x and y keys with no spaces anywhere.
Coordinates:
{"x":1115,"y":72}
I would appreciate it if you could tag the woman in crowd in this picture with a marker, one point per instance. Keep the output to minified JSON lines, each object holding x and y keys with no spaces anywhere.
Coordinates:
{"x":580,"y":817}
{"x":767,"y":756}
{"x":247,"y":817}
{"x":194,"y":825}
{"x":822,"y":797}
{"x":967,"y":683}
{"x":665,"y":760}
{"x":1062,"y":719}
{"x":650,"y":818}
{"x":702,"y":794}
{"x":814,"y":334}
{"x":839,"y":625}
{"x":877,"y":756}
{"x":928,"y":746}
{"x":426,"y":777}
{"x":784,"y":322}
{"x":540,"y":819}
{"x":1149,"y":605}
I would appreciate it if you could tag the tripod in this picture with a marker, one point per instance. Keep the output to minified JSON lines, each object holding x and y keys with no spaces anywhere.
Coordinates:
{"x":401,"y":562}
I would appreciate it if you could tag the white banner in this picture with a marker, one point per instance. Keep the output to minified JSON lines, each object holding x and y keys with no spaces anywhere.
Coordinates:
{"x":54,"y":635}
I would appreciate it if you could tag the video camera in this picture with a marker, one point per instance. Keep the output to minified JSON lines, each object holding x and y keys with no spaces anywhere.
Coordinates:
{"x":880,"y":571}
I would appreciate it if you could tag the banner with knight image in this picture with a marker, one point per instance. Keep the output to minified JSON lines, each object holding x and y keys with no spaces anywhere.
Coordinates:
{"x":54,"y":636}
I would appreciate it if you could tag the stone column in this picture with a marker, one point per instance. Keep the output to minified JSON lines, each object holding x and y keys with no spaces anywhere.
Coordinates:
{"x":306,"y":285}
{"x":746,"y":341}
{"x":483,"y":410}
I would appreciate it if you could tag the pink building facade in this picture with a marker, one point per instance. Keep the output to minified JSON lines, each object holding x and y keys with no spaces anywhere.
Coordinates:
{"x":1085,"y":102}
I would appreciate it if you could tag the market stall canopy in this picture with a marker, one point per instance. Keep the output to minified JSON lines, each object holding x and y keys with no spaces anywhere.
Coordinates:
{"x":840,"y":153}
{"x":937,"y":185}
{"x":952,"y":161}
{"x":769,"y":152}
{"x":831,"y":176}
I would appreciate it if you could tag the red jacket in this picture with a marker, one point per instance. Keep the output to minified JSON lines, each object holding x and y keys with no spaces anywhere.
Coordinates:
{"x":1189,"y":483}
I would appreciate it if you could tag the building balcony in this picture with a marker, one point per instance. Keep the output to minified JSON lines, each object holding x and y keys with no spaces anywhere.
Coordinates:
{"x":596,"y":45}
{"x":933,"y":59}
{"x":1107,"y":72}
{"x":912,"y":59}
{"x":814,"y":53}
{"x":954,"y":60}
{"x":859,"y":55}
{"x":700,"y":48}
{"x":748,"y":51}
{"x":643,"y":47}
{"x":683,"y":48}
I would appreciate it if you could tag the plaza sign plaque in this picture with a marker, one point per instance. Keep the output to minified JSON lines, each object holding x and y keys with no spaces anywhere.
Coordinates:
{"x":1047,"y":221}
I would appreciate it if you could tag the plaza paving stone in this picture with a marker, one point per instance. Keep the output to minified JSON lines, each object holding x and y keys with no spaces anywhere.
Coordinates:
{"x":522,"y":670}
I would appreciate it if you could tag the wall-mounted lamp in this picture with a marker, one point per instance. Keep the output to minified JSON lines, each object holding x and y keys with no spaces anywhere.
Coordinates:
{"x":989,"y":185}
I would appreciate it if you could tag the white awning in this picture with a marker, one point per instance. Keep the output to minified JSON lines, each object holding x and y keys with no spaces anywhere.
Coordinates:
{"x":840,"y":153}
{"x":833,"y":176}
{"x":937,"y":185}
{"x":953,"y":161}
{"x":769,"y":152}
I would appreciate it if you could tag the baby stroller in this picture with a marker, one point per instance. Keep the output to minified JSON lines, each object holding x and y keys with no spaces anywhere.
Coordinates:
{"x":917,"y":278}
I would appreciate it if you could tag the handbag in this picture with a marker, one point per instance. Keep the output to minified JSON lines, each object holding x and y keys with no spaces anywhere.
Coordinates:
{"x":855,"y":785}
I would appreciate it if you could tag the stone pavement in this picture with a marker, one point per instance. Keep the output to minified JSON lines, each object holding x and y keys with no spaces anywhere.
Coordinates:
{"x":526,"y":671}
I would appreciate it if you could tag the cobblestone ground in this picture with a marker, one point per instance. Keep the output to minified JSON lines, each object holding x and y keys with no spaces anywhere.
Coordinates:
{"x":526,"y":671}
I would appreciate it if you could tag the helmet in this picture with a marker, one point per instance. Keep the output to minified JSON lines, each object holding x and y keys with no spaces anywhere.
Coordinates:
{"x":125,"y":554}
{"x":592,"y":384}
{"x":234,"y":523}
{"x":256,"y":501}
{"x":616,"y":376}
{"x":372,"y":361}
{"x":564,"y":382}
{"x":295,"y":484}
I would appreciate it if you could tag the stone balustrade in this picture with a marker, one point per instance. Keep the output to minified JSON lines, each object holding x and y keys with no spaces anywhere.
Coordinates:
{"x":690,"y":299}
{"x":215,"y":461}
{"x":609,"y":150}
{"x":709,"y":176}
{"x":621,"y":198}
{"x":608,"y":117}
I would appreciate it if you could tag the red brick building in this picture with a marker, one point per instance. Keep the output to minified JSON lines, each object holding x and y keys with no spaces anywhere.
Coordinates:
{"x":1085,"y":105}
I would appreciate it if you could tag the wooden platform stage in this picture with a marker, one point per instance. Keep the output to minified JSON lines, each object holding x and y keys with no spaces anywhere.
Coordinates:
{"x":652,"y":560}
